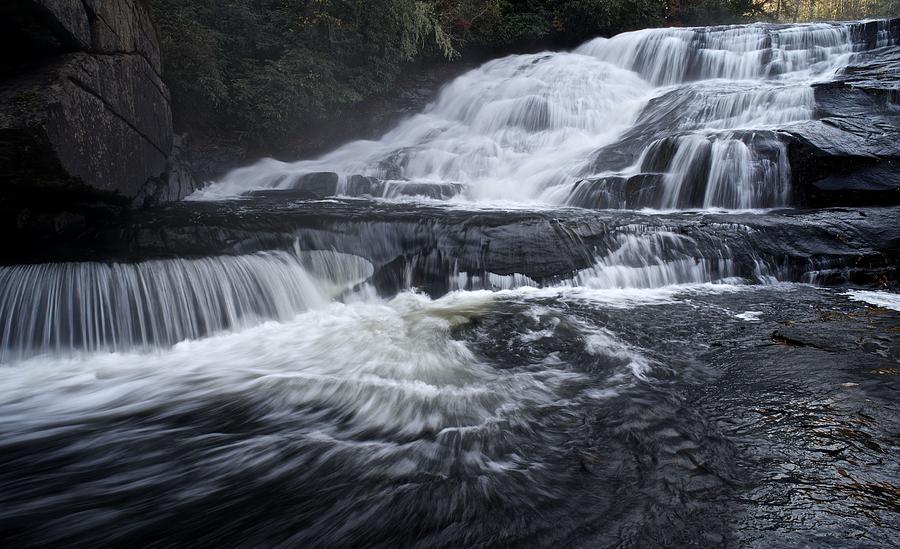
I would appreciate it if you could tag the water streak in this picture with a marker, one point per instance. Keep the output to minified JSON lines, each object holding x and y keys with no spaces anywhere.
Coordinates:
{"x":52,"y":308}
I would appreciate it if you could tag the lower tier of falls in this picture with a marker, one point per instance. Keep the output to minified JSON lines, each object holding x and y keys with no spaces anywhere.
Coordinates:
{"x":322,"y":250}
{"x":257,"y":372}
{"x":91,"y":306}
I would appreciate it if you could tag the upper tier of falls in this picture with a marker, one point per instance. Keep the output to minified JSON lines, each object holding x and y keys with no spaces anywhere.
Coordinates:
{"x":661,"y":118}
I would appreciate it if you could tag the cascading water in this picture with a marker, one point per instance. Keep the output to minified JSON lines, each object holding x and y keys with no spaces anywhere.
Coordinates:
{"x":506,"y":130}
{"x":666,"y":119}
{"x":54,"y":308}
{"x":635,"y":257}
{"x":674,"y":56}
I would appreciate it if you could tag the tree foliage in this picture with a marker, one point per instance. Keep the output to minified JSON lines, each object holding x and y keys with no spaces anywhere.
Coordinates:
{"x":834,"y":10}
{"x":263,"y":63}
{"x":269,"y":65}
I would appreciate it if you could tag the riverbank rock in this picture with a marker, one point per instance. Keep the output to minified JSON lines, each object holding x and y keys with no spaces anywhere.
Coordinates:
{"x":83,"y":108}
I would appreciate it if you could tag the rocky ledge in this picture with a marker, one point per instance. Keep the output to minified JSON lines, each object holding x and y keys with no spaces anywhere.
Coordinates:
{"x":850,"y":153}
{"x":430,"y":246}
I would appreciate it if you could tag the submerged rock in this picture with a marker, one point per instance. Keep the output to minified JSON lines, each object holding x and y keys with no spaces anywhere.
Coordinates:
{"x":618,"y":192}
{"x":437,"y":191}
{"x":600,"y":193}
{"x":361,"y":185}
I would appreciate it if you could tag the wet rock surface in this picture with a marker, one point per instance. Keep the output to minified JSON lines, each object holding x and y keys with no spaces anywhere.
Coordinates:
{"x":813,"y":415}
{"x":756,"y":440}
{"x":850,"y":153}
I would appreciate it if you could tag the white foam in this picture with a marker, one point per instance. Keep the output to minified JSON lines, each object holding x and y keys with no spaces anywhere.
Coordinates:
{"x":59,"y":307}
{"x":749,"y":316}
{"x":886,"y":300}
{"x":389,"y":368}
{"x":525,"y":128}
{"x":507,"y":129}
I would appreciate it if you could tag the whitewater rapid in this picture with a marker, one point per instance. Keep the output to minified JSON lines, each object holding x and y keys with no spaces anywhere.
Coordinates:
{"x":531,"y":128}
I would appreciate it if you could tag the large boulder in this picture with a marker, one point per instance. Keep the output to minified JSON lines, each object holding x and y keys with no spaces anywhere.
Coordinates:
{"x":83,"y":108}
{"x":318,"y":184}
{"x":105,"y":118}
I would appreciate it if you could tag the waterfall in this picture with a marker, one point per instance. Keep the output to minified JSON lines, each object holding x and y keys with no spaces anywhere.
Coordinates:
{"x":638,"y":257}
{"x":667,"y":57}
{"x":90,"y":306}
{"x":507,"y":342}
{"x":652,"y":260}
{"x":659,"y":118}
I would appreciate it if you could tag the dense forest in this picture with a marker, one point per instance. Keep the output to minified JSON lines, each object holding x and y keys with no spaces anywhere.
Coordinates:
{"x":269,"y":66}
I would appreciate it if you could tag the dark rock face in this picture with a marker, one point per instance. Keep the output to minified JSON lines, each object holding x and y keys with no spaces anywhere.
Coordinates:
{"x":851,"y":152}
{"x":86,"y":110}
{"x":429,"y":243}
{"x":319,"y":184}
{"x":360,"y":185}
{"x":178,"y":181}
{"x":106,"y":118}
